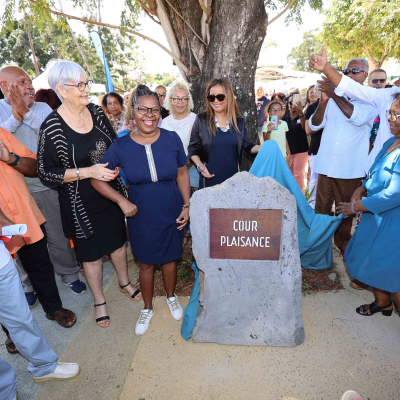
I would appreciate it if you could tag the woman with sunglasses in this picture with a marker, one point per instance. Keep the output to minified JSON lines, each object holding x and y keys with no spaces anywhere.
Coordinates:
{"x":157,"y":209}
{"x":373,"y":253}
{"x":72,"y":141}
{"x":219,"y":136}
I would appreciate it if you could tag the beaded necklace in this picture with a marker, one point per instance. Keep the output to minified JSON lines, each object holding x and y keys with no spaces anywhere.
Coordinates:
{"x":226,"y":129}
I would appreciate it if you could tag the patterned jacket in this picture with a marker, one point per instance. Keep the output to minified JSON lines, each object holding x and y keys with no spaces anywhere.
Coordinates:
{"x":56,"y":154}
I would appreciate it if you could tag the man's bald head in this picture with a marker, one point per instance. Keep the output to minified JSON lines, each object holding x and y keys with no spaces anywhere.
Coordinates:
{"x":13,"y":75}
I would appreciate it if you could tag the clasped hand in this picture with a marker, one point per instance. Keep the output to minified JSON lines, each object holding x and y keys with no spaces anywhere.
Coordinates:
{"x":102,"y":173}
{"x":18,"y":106}
{"x":5,"y":154}
{"x":183,"y":218}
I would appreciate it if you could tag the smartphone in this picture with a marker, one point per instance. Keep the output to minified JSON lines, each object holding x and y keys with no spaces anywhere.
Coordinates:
{"x":275,"y":120}
{"x":296,"y":98}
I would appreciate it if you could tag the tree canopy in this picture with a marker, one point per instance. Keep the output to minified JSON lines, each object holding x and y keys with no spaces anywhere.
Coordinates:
{"x":369,"y":28}
{"x":312,"y":43}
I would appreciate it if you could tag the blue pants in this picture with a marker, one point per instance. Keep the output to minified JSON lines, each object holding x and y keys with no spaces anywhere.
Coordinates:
{"x":24,"y":332}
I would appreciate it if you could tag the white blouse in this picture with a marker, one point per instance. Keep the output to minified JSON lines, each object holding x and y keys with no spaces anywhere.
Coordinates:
{"x":183,"y":127}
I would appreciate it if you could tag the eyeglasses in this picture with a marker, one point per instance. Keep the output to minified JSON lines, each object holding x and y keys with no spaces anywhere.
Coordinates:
{"x":274,"y":111}
{"x":375,"y":81}
{"x":162,"y":95}
{"x":82,"y":85}
{"x":354,"y":71}
{"x":220,"y":97}
{"x":392,"y":116}
{"x":143,"y":110}
{"x":180,"y":99}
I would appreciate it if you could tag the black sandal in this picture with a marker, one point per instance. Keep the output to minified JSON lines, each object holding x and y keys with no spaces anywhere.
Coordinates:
{"x":104,"y":318}
{"x":134,"y":295}
{"x":10,"y":346}
{"x":373,"y":309}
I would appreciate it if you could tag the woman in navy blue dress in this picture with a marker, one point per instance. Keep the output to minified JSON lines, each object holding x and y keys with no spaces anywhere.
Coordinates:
{"x":157,"y":208}
{"x":219,"y":136}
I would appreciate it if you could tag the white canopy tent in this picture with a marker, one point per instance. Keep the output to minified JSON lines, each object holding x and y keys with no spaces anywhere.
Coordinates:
{"x":41,"y":82}
{"x":274,"y":79}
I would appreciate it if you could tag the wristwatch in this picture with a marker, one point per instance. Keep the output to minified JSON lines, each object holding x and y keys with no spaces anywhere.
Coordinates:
{"x":78,"y":174}
{"x":15,"y":163}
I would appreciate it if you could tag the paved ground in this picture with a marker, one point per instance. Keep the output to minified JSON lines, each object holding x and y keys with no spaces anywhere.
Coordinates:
{"x":342,"y":351}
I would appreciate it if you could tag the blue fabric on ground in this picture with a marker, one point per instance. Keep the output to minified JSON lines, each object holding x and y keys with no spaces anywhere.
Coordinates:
{"x":315,"y":231}
{"x":192,"y":308}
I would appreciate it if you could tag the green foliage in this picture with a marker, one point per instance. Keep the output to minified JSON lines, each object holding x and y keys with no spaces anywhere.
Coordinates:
{"x":312,"y":43}
{"x":294,"y":14}
{"x":54,"y":41}
{"x":161,"y":79}
{"x":369,"y":28}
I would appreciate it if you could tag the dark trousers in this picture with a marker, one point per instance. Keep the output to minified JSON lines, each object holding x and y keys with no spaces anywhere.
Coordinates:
{"x":36,"y":261}
{"x":339,"y":191}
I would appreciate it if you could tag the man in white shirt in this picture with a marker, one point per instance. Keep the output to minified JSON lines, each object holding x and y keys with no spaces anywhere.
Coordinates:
{"x":380,"y":98}
{"x":344,"y":146}
{"x":22,"y":116}
{"x":24,"y":331}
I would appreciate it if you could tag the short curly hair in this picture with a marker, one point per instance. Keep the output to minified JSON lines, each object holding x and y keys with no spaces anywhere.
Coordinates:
{"x":178,"y":85}
{"x":113,"y":94}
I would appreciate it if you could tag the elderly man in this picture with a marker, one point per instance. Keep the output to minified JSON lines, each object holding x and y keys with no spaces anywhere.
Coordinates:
{"x":16,"y":316}
{"x":162,"y":94}
{"x":344,"y":146}
{"x":382,"y":99}
{"x":377,"y":78}
{"x":17,"y":204}
{"x":22,"y":116}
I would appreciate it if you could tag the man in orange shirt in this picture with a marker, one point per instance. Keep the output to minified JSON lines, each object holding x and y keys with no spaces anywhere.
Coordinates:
{"x":17,"y":204}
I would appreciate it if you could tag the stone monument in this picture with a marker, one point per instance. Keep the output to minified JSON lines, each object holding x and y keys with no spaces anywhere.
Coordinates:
{"x":246,"y":246}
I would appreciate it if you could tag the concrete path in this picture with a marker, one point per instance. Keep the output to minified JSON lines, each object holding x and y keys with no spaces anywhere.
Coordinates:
{"x":342,"y":351}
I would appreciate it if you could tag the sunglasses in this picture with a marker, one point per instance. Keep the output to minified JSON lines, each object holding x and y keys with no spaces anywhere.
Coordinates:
{"x":375,"y":81}
{"x":354,"y":71}
{"x":220,"y":97}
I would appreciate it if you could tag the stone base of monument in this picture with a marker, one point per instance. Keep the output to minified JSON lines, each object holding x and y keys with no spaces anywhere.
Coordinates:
{"x":246,"y":246}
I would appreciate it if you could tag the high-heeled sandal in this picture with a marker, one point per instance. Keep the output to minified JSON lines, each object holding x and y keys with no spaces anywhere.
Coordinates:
{"x":373,"y":309}
{"x":134,"y":295}
{"x":104,"y":318}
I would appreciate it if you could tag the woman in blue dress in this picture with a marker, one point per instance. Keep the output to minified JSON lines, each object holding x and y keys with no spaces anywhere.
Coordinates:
{"x":157,"y":208}
{"x":219,"y":136}
{"x":373,"y":253}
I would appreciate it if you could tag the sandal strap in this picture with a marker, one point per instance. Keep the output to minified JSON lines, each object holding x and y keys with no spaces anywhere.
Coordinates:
{"x":99,"y":305}
{"x":373,"y":308}
{"x":135,"y":294}
{"x":105,"y":318}
{"x":124,"y":285}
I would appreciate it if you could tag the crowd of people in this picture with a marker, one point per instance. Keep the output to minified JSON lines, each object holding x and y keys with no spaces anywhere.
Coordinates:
{"x":87,"y":178}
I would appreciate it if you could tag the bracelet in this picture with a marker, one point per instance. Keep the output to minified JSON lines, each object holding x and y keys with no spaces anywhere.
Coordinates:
{"x":323,"y":102}
{"x":352,"y":207}
{"x":186,"y":206}
{"x":198,"y":165}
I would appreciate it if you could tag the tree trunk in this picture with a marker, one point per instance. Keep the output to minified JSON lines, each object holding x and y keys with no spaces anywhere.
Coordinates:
{"x":237,"y":30}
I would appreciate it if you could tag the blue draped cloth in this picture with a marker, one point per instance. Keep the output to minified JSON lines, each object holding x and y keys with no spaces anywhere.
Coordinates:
{"x":315,"y":231}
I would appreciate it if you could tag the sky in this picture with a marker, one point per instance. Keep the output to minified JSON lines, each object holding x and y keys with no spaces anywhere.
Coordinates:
{"x":158,"y":61}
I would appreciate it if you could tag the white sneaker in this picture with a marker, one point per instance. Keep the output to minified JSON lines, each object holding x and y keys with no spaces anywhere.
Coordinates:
{"x":351,"y":395}
{"x":143,"y":322}
{"x":175,"y":307}
{"x":63,"y":372}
